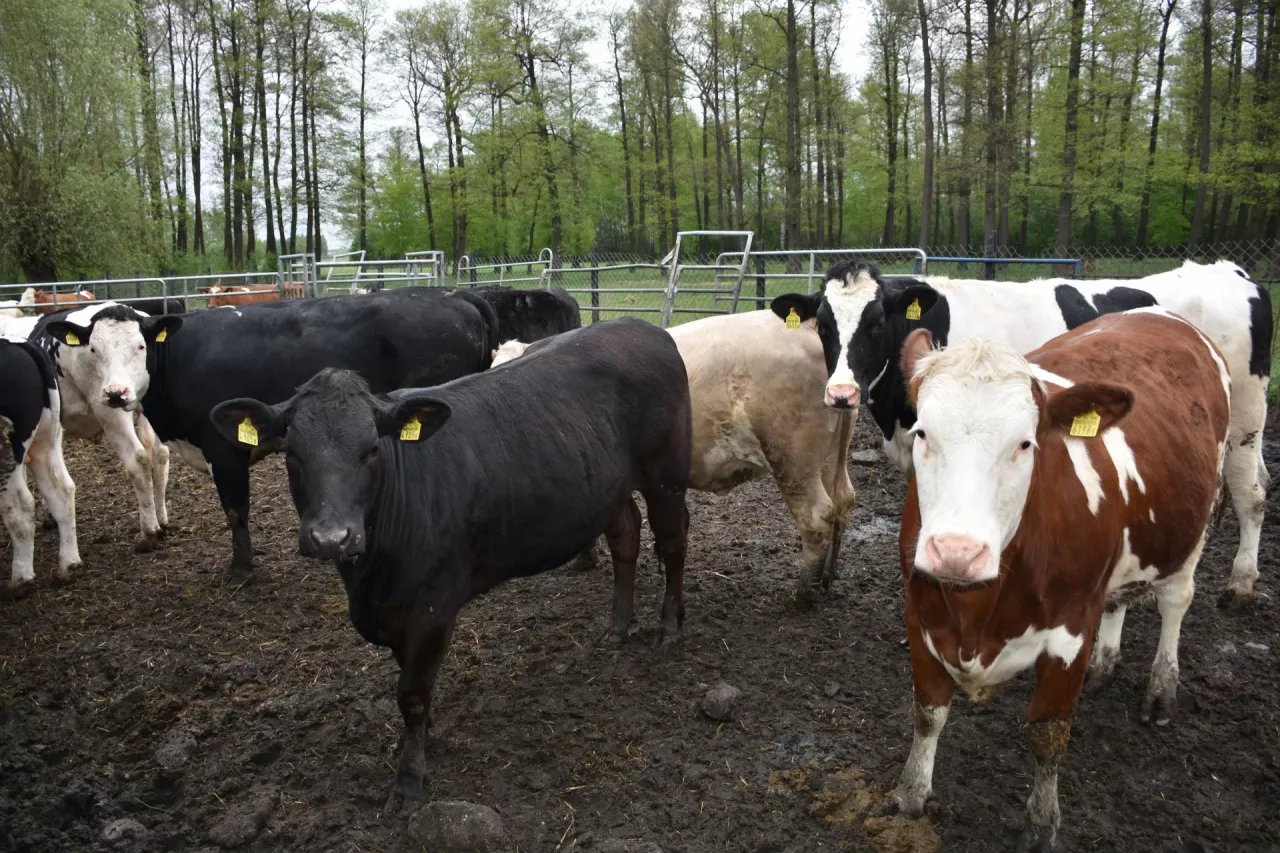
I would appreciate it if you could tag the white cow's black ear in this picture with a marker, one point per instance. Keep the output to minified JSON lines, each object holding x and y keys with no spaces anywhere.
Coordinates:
{"x":70,"y":334}
{"x":413,"y":418}
{"x":249,"y":423}
{"x":911,"y":300}
{"x":805,"y":305}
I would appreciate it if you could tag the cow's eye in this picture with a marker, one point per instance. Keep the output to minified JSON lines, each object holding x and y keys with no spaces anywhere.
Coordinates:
{"x":920,"y":435}
{"x":92,"y":350}
{"x":1026,"y":445}
{"x":370,"y":455}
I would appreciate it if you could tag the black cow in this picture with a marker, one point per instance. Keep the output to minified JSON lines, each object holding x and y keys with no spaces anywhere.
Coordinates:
{"x":426,"y":498}
{"x":394,"y":339}
{"x":156,"y":307}
{"x":32,"y":438}
{"x":531,"y":315}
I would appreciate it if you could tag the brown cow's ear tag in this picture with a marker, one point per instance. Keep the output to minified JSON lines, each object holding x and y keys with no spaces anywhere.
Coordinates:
{"x":73,"y":340}
{"x":793,"y":320}
{"x":913,"y":310}
{"x":412,"y":429}
{"x":247,"y":433}
{"x":1086,"y":425}
{"x":161,"y":335}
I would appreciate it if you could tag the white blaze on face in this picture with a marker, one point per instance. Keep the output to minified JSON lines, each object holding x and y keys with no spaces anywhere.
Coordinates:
{"x":847,"y":301}
{"x":973,"y":456}
{"x":112,"y":364}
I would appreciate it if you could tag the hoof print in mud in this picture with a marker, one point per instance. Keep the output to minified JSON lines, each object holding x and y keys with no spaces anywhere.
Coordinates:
{"x":146,"y":544}
{"x":719,"y":703}
{"x":454,"y":826}
{"x":246,"y":818}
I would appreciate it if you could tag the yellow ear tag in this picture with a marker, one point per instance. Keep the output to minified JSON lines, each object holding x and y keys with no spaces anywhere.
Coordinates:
{"x":1086,"y":425}
{"x":793,"y":320}
{"x":913,"y":310}
{"x":73,"y":340}
{"x":161,"y":335}
{"x":247,"y":433}
{"x":412,"y":429}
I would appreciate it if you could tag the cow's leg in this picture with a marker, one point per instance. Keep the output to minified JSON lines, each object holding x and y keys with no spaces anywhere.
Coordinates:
{"x":840,"y":489}
{"x":423,"y":654}
{"x":932,"y":701}
{"x":159,"y":455}
{"x":814,"y":513}
{"x":1053,"y":704}
{"x":123,"y":438}
{"x":669,"y":521}
{"x":624,"y":546}
{"x":1173,"y":597}
{"x":1106,"y":648}
{"x":1249,"y":500}
{"x":231,"y":477}
{"x":18,"y":509}
{"x":59,"y":492}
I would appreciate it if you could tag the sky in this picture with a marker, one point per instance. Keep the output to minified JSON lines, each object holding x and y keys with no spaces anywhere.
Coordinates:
{"x":392,"y":112}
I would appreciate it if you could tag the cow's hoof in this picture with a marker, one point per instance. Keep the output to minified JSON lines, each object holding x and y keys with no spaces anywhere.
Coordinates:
{"x":19,"y":590}
{"x":803,"y":598}
{"x":403,"y":799}
{"x":612,"y":639}
{"x":145,"y":544}
{"x":1234,"y":599}
{"x":1099,"y":678}
{"x":1158,"y":709}
{"x":62,"y":577}
{"x":1037,"y":839}
{"x":909,"y":804}
{"x":163,"y":532}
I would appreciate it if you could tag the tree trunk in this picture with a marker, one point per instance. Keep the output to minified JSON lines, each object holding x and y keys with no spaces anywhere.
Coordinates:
{"x":926,"y":190}
{"x":1072,"y":125}
{"x":220,"y":91}
{"x":260,"y":83}
{"x":791,"y":226}
{"x":544,"y":138}
{"x":632,"y":240}
{"x":963,"y":228}
{"x":422,"y":172}
{"x":1206,"y":99}
{"x":179,"y":136}
{"x":995,"y":134}
{"x":820,"y":185}
{"x":362,"y":200}
{"x":889,"y":61}
{"x":195,"y":129}
{"x":1126,"y":113}
{"x":1144,"y":213}
{"x":152,"y":165}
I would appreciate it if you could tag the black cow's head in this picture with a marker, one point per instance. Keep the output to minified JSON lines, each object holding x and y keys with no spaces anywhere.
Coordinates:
{"x":333,"y":429}
{"x":863,"y":320}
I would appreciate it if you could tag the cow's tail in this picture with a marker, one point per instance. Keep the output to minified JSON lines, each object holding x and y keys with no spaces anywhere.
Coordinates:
{"x":843,"y":503}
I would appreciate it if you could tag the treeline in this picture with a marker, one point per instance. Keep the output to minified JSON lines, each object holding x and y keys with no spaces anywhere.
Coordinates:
{"x":179,"y":135}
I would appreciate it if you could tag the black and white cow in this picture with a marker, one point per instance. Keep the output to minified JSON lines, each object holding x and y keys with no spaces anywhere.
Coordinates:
{"x":864,"y":319}
{"x":100,"y":353}
{"x":428,"y":497}
{"x":32,"y":439}
{"x":394,"y":339}
{"x":531,"y":315}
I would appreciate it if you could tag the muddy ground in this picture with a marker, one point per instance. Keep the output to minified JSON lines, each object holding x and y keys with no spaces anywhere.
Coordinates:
{"x":150,"y":691}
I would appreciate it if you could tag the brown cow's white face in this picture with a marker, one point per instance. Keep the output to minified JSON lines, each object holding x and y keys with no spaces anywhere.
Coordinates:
{"x":974,"y":453}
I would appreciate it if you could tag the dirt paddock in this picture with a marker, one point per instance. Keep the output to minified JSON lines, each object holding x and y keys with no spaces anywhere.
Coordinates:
{"x":150,"y":691}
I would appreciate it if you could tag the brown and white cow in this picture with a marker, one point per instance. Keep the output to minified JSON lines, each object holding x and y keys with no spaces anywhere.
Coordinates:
{"x":1047,"y":491}
{"x":46,"y":302}
{"x":221,"y":296}
{"x":756,"y":387}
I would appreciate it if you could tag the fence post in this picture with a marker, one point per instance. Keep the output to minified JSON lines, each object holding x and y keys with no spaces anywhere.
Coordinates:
{"x":761,"y":292}
{"x":594,"y":258}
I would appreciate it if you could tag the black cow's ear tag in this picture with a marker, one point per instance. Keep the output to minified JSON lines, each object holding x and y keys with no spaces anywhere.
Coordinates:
{"x":913,"y":310}
{"x":793,"y":319}
{"x":247,"y":433}
{"x":411,"y":430}
{"x":73,"y":340}
{"x":161,"y":335}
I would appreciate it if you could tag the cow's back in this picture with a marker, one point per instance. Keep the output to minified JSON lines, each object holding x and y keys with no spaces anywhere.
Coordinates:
{"x":751,"y":376}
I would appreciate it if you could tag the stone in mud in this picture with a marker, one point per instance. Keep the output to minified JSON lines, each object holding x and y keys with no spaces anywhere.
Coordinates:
{"x":454,"y":826}
{"x":125,"y":832}
{"x":719,"y":701}
{"x":246,"y":818}
{"x":175,"y":750}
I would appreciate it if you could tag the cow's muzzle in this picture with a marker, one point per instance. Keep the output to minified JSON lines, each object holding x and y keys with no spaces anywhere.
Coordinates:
{"x":957,"y":558}
{"x":843,"y":396}
{"x":116,"y":396}
{"x":331,"y":541}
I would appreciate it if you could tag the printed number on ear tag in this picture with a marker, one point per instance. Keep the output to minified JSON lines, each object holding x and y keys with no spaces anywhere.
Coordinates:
{"x":1086,"y":425}
{"x":913,"y":310}
{"x":247,"y":433}
{"x":412,"y":429}
{"x":161,"y":335}
{"x":73,"y":339}
{"x":793,"y":320}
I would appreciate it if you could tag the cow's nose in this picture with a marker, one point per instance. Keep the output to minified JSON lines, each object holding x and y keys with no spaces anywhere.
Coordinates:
{"x":329,"y":540}
{"x":117,"y":398}
{"x":843,"y":396}
{"x":957,"y":557}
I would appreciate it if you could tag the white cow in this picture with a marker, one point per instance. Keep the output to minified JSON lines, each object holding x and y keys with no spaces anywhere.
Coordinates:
{"x":31,"y":438}
{"x":756,"y":387}
{"x":101,"y":352}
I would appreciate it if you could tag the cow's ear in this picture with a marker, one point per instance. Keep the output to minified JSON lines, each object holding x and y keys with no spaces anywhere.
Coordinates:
{"x":71,"y":334}
{"x":917,"y":344}
{"x":413,"y":418}
{"x":160,"y":329}
{"x":911,"y":300}
{"x":805,"y":305}
{"x":247,"y":423}
{"x":1088,"y":409}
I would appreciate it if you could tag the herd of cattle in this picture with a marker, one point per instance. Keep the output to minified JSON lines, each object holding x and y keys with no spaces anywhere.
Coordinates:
{"x":1065,"y":442}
